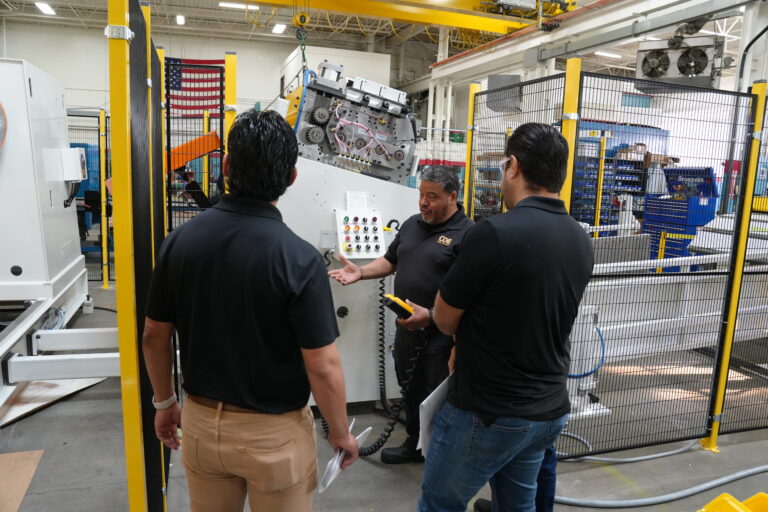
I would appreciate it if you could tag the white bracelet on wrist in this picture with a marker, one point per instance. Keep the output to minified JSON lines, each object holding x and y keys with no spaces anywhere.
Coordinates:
{"x":165,"y":404}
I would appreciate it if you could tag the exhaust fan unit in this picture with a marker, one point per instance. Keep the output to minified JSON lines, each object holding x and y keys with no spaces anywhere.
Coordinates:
{"x":692,"y":64}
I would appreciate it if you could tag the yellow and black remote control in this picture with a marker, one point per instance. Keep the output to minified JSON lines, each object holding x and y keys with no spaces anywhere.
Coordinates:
{"x":398,"y":306}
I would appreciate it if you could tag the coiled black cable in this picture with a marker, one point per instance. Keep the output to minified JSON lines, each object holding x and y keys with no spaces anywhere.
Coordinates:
{"x":393,"y":411}
{"x":382,"y":350}
{"x":374,"y":447}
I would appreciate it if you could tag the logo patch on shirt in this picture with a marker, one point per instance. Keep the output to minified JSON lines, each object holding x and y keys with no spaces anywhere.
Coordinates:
{"x":444,"y":240}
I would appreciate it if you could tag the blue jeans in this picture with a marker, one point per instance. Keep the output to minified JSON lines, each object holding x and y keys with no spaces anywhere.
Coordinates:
{"x":545,"y":482}
{"x":464,"y":454}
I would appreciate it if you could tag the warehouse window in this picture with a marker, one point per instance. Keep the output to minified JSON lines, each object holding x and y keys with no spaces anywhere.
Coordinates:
{"x":629,"y":99}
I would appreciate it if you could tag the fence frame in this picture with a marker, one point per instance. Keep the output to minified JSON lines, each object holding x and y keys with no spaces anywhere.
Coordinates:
{"x":736,"y":270}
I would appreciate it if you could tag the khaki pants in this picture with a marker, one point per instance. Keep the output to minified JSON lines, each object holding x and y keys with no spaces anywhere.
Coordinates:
{"x":269,"y":457}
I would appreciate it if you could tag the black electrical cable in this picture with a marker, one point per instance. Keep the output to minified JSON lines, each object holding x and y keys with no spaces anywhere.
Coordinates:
{"x":382,"y":351}
{"x":105,"y":309}
{"x":394,"y":409}
{"x":381,"y":359}
{"x":327,"y":260}
{"x":374,"y":447}
{"x":744,"y":54}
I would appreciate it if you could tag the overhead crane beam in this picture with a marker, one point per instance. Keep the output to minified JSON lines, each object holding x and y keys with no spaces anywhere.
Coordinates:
{"x":452,"y":13}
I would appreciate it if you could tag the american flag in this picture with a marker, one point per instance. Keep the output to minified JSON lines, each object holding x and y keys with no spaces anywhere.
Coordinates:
{"x":195,"y":86}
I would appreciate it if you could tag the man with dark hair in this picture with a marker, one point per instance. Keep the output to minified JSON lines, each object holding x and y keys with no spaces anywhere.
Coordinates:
{"x":422,"y":252}
{"x":512,"y":301}
{"x":253,"y":309}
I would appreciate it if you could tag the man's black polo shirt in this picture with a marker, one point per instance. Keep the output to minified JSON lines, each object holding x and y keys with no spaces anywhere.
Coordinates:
{"x":423,"y":253}
{"x":520,"y":278}
{"x":245,"y":294}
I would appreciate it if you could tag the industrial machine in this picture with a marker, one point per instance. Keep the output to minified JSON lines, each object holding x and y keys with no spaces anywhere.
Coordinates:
{"x":315,"y":208}
{"x":357,"y":148}
{"x":354,"y":124}
{"x":43,"y":279}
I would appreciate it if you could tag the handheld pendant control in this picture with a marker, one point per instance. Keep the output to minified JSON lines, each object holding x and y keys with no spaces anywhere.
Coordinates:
{"x":398,"y":306}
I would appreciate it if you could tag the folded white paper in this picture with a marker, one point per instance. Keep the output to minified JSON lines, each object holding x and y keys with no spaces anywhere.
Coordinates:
{"x":427,"y":411}
{"x":333,"y":468}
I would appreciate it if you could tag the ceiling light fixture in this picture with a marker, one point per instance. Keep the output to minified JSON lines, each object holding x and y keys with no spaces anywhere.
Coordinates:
{"x":279,"y":28}
{"x":180,"y":20}
{"x":609,"y":55}
{"x":45,"y":8}
{"x":235,"y":5}
{"x":652,"y":38}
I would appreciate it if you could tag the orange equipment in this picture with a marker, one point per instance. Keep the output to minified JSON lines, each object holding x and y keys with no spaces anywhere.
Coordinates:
{"x":195,"y":148}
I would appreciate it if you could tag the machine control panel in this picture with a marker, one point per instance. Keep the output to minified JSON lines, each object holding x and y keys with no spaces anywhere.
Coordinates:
{"x":360,"y":234}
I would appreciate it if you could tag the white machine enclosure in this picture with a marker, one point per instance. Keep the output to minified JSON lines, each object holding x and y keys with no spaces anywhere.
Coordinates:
{"x":41,"y":246}
{"x":42,"y":272}
{"x":309,"y":208}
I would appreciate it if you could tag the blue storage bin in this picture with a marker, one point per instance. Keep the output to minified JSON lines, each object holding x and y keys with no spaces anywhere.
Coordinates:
{"x":691,"y":211}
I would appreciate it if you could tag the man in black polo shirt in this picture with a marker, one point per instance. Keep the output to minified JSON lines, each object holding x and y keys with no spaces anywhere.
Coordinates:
{"x":422,"y":252}
{"x":253,"y":308}
{"x":512,"y":298}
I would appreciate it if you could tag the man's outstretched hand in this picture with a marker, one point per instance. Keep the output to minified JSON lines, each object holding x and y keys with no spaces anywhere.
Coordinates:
{"x":348,"y":274}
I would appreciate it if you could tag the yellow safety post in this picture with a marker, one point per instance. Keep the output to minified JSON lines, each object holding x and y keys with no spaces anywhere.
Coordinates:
{"x":599,"y":188}
{"x":120,"y":137}
{"x":571,"y":94}
{"x":737,"y":262}
{"x":230,"y":100}
{"x":469,"y":193}
{"x":206,"y":158}
{"x":662,"y":250}
{"x":147,"y":17}
{"x":103,"y":191}
{"x":161,"y":57}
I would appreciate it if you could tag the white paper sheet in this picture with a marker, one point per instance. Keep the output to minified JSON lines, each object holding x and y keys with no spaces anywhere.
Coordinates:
{"x":427,"y":411}
{"x":333,"y":468}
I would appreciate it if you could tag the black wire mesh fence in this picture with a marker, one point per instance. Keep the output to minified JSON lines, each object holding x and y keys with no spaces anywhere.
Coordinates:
{"x":445,"y":149}
{"x":194,"y":143}
{"x":84,"y":134}
{"x":656,"y":182}
{"x":110,"y":231}
{"x":647,"y":186}
{"x":746,"y":399}
{"x":497,"y":113}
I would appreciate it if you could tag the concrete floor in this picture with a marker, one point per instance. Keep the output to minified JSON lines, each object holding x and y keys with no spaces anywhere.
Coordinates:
{"x":83,"y":468}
